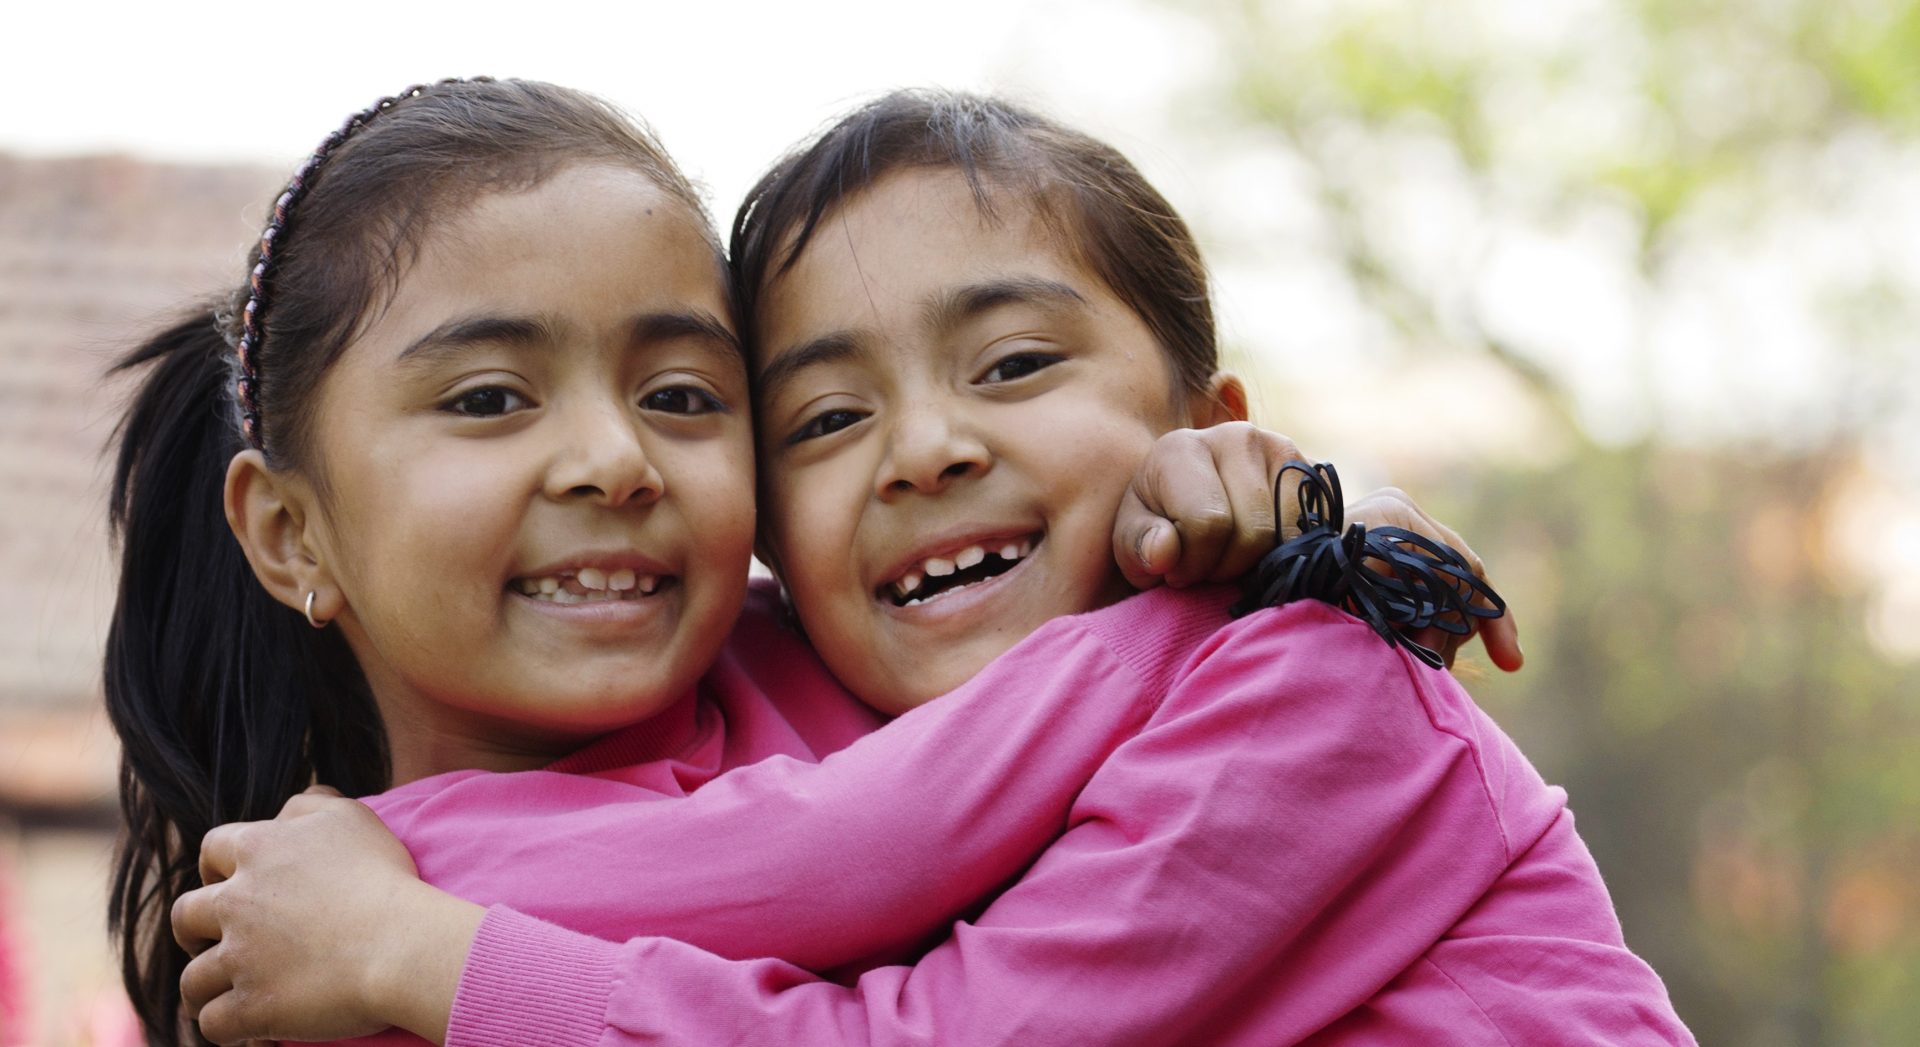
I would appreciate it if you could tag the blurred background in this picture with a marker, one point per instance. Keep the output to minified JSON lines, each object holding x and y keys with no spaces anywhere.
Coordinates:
{"x":1627,"y":291}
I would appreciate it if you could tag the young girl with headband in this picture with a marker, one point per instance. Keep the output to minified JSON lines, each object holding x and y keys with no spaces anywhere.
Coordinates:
{"x":592,"y":486}
{"x":1290,"y":830}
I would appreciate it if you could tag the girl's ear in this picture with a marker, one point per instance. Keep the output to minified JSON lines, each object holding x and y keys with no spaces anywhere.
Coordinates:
{"x":271,"y":516}
{"x":1223,"y":400}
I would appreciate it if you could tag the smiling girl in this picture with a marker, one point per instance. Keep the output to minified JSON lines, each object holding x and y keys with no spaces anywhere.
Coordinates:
{"x":502,"y":475}
{"x":460,"y":481}
{"x":1287,"y":828}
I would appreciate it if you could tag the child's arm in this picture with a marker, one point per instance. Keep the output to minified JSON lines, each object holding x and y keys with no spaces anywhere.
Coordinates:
{"x":1295,"y":815}
{"x":1278,"y":805}
{"x":854,"y":859}
{"x":1201,"y":508}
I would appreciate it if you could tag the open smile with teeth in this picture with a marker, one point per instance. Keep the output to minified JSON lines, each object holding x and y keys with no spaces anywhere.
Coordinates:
{"x":590,"y":585}
{"x":936,"y":576}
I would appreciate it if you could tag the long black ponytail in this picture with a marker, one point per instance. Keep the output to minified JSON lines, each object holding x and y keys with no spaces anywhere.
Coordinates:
{"x":225,"y":701}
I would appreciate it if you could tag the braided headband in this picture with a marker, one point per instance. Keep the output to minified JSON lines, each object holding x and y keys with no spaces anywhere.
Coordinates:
{"x":1416,"y":584}
{"x":247,"y":386}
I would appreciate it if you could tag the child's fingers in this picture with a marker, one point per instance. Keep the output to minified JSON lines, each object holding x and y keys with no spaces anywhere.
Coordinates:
{"x":220,"y":851}
{"x":1160,"y":548}
{"x":204,"y":979}
{"x":1246,"y":475}
{"x":196,"y":926}
{"x":1144,"y":543}
{"x":1175,"y":515}
{"x":1182,"y":481}
{"x":1501,"y":635}
{"x":228,"y":1019}
{"x":1502,"y":639}
{"x":1202,"y":513}
{"x":1390,"y":507}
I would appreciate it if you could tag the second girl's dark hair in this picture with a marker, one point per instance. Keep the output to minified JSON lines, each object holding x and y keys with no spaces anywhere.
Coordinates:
{"x":225,"y":702}
{"x":1096,"y":202}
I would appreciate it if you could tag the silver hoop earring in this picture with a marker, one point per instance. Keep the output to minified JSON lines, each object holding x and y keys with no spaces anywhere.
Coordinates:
{"x":311,"y":620}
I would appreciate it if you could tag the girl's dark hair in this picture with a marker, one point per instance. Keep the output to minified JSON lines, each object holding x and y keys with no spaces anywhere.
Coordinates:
{"x":1097,"y":203}
{"x":226,"y":702}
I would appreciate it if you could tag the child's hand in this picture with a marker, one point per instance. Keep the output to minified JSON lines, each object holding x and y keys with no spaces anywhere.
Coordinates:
{"x":1391,"y":507}
{"x":315,"y":926}
{"x":1201,"y":509}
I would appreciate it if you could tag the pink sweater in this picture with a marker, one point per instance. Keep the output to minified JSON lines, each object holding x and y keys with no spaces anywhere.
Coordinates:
{"x":1263,"y":831}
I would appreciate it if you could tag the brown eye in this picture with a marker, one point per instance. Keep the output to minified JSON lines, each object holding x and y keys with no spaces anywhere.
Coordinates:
{"x":486,"y":402}
{"x":826,"y":423}
{"x":1020,"y":365}
{"x":682,"y":399}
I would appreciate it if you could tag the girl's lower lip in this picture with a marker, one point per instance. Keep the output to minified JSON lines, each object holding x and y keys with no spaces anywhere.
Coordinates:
{"x":957,"y":606}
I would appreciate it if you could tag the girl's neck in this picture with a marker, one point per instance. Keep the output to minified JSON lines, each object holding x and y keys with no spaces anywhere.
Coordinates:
{"x":417,"y":756}
{"x":421,"y":747}
{"x":420,"y":750}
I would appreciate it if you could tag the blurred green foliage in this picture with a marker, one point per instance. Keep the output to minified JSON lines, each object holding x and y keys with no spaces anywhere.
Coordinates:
{"x":1743,"y":760}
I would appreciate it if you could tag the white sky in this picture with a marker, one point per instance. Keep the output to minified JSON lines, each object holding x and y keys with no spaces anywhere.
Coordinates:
{"x":727,"y":85}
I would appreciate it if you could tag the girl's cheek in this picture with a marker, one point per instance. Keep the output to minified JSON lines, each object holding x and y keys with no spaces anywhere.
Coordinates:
{"x":719,"y":501}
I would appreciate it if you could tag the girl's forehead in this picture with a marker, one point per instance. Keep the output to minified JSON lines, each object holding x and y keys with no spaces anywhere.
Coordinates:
{"x":584,"y":252}
{"x":588,"y":227}
{"x":911,"y":236}
{"x":578,"y":210}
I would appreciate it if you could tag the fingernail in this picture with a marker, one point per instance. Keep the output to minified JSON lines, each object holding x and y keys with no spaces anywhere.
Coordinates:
{"x":1147,"y":539}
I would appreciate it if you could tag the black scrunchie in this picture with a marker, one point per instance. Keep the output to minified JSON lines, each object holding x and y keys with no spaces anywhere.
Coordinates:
{"x":1414,"y":582}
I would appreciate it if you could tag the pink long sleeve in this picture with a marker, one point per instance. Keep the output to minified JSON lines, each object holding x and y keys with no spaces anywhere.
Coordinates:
{"x":1302,"y":819}
{"x":856,"y":858}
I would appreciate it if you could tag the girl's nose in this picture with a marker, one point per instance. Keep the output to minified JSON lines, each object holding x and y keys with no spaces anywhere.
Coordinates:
{"x":928,"y":450}
{"x":604,"y":460}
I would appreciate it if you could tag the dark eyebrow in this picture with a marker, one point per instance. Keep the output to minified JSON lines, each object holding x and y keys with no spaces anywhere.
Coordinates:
{"x":692,"y":323}
{"x":829,"y":348}
{"x":460,"y":335}
{"x":964,"y":303}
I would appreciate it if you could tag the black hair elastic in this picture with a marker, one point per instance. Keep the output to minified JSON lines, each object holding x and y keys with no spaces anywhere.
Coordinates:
{"x":1412,"y":582}
{"x":246,"y":389}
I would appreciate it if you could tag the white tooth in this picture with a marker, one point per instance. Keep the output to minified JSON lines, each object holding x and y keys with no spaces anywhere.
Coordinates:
{"x":592,"y":578}
{"x":938,"y":568}
{"x":549,"y":585}
{"x":916,"y":602}
{"x":1010,"y":551}
{"x":648,"y":583}
{"x":621,"y":580}
{"x":566,"y":596}
{"x":908,"y":583}
{"x":969,"y":557}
